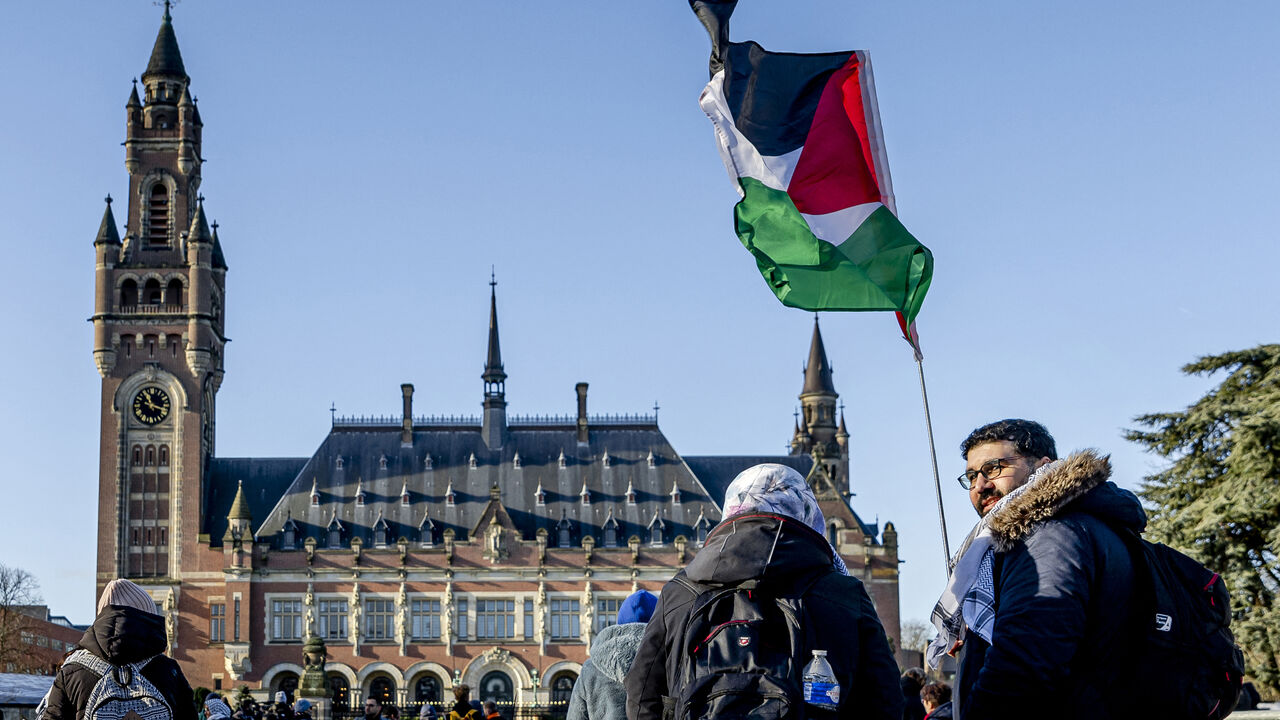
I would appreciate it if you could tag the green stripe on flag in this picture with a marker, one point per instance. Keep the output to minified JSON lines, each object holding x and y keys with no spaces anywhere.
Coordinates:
{"x":879,"y":267}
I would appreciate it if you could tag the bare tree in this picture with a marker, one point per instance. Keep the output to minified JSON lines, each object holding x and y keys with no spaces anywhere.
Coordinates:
{"x":18,"y":592}
{"x":917,"y":634}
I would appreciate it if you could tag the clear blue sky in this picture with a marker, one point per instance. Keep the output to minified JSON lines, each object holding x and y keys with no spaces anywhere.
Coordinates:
{"x":1097,"y":182}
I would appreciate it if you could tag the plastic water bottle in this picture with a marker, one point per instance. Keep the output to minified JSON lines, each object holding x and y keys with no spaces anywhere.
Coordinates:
{"x":820,"y":686}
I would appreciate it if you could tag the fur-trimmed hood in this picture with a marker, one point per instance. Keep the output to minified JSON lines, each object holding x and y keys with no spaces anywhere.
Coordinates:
{"x":1076,"y":483}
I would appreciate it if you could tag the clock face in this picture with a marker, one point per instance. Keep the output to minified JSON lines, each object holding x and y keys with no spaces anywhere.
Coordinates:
{"x":151,"y":405}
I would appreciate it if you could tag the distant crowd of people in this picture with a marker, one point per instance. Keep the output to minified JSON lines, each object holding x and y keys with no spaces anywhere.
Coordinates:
{"x":766,"y":621}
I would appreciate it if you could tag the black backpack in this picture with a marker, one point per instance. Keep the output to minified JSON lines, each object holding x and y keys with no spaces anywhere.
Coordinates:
{"x":742,"y":653}
{"x":1186,"y":663}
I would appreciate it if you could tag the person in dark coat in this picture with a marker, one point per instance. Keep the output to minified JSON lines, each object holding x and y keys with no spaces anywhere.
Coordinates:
{"x":774,"y":533}
{"x":1038,"y":605}
{"x":599,"y":694}
{"x":128,"y":629}
{"x":912,"y":682}
{"x":462,"y":709}
{"x":936,"y":698}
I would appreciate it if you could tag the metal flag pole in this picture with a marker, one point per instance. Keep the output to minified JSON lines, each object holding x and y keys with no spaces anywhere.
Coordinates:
{"x":933,"y":455}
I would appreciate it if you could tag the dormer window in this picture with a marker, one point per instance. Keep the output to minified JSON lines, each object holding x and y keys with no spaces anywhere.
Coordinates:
{"x":426,"y":462}
{"x":334,"y":532}
{"x":515,"y":461}
{"x":315,"y":494}
{"x":563,"y":531}
{"x":562,"y":462}
{"x":471,"y":463}
{"x":604,"y":459}
{"x":675,"y":494}
{"x":651,"y":461}
{"x":289,"y":535}
{"x":585,"y":494}
{"x":404,"y":497}
{"x":700,"y":529}
{"x":359,"y":496}
{"x":427,"y":532}
{"x":540,"y":496}
{"x":631,"y":494}
{"x":337,"y":463}
{"x":611,"y":531}
{"x":449,"y":497}
{"x":382,"y":463}
{"x":656,"y":528}
{"x":380,"y":530}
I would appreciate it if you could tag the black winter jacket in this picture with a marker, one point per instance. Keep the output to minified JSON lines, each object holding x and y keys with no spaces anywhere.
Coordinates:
{"x":121,"y":635}
{"x":1063,"y":624}
{"x":783,"y":555}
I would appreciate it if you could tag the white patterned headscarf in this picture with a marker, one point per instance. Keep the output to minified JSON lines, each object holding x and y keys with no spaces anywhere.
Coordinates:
{"x":778,"y":489}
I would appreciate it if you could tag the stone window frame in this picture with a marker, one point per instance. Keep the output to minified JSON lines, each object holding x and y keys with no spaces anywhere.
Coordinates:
{"x":384,"y":615}
{"x":421,"y":614}
{"x":273,"y":630}
{"x":217,"y":620}
{"x":564,"y":609}
{"x":327,"y":615}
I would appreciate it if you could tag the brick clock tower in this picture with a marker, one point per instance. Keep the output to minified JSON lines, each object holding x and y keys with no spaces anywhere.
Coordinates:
{"x":157,"y":337}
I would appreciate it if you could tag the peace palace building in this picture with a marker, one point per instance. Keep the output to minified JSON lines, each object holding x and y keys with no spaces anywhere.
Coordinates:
{"x":425,"y":551}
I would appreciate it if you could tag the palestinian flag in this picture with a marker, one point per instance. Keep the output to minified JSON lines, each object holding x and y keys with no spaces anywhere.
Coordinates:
{"x":800,"y":136}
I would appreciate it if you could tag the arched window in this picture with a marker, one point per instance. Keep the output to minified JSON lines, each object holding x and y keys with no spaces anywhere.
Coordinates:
{"x":383,"y":688}
{"x":496,"y":686}
{"x":151,"y":294}
{"x":562,"y":687}
{"x":129,"y":293}
{"x":287,"y":683}
{"x":158,"y":215}
{"x":427,"y":689}
{"x":164,"y":456}
{"x":339,"y":691}
{"x":151,"y":455}
{"x":137,"y":454}
{"x":173,"y":293}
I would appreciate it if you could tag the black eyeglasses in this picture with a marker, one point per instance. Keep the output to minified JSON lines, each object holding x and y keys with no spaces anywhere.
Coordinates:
{"x":990,"y":470}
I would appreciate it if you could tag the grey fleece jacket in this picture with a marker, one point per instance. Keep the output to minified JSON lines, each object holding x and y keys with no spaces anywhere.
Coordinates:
{"x":599,"y":694}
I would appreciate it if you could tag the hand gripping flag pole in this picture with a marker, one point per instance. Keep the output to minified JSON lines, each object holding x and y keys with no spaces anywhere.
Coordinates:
{"x":800,"y":136}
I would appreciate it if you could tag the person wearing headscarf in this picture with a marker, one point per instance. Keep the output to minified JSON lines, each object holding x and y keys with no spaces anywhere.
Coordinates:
{"x":128,"y":630}
{"x":215,"y":708}
{"x":774,"y":534}
{"x":598,"y":694}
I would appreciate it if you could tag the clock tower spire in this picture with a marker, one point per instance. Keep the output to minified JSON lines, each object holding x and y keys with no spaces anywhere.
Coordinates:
{"x":158,"y":332}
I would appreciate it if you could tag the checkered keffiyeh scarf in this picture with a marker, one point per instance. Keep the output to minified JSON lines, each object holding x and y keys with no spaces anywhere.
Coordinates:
{"x":969,"y":599}
{"x":778,"y":489}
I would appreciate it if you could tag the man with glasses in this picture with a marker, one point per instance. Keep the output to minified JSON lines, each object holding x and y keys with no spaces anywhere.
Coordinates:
{"x":1037,"y":608}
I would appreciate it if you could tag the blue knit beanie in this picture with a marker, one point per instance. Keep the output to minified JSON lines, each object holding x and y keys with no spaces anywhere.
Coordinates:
{"x":638,"y":607}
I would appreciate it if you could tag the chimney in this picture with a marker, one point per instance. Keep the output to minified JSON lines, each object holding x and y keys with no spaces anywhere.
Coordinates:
{"x":406,"y":424}
{"x":582,"y":412}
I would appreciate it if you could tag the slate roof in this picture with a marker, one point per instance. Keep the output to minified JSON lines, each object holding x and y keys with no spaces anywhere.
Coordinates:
{"x":265,"y":480}
{"x":375,"y":462}
{"x":166,"y":59}
{"x":717,"y":471}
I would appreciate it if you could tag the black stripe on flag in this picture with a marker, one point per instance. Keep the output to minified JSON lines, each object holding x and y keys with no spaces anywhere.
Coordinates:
{"x":773,"y":96}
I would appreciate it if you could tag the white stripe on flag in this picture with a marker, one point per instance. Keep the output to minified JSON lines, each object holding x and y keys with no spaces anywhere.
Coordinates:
{"x":871,"y":112}
{"x":740,"y":156}
{"x":836,"y":227}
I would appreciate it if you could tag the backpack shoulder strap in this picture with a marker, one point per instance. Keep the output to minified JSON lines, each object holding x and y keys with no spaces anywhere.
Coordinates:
{"x":89,"y":660}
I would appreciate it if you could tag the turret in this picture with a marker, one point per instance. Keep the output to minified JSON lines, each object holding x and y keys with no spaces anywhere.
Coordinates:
{"x":106,"y":247}
{"x":239,"y":519}
{"x":495,"y":395}
{"x":818,"y":396}
{"x":200,"y":261}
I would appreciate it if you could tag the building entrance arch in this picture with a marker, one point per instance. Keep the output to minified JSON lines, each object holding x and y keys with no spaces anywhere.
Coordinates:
{"x":496,"y":685}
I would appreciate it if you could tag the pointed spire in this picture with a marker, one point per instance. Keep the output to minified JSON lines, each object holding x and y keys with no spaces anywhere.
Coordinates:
{"x":166,"y":59}
{"x":107,"y":232}
{"x":219,"y":260}
{"x":359,"y":491}
{"x":817,"y":373}
{"x":240,"y":506}
{"x":199,"y":231}
{"x":493,"y":372}
{"x":842,"y":432}
{"x":631,"y":492}
{"x":185,"y":100}
{"x":134,"y":100}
